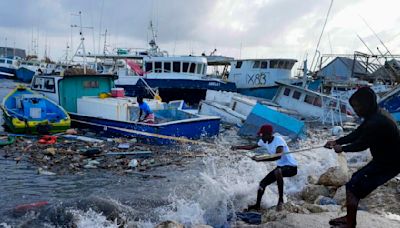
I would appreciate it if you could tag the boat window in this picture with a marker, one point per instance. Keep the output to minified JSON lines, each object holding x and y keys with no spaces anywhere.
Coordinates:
{"x":167,"y":67}
{"x":9,"y":61}
{"x":2,"y":60}
{"x":286,"y":92}
{"x":198,"y":71}
{"x":177,"y":67}
{"x":309,"y":99}
{"x":192,"y":68}
{"x":273,"y":64}
{"x":49,"y":84}
{"x":29,"y":64}
{"x":185,"y":66}
{"x":264,"y":64}
{"x":91,"y":84}
{"x":37,"y":83}
{"x":239,"y":64}
{"x":256,"y":64}
{"x":317,"y":102}
{"x":290,"y":65}
{"x":149,"y":66}
{"x":204,"y":69}
{"x":296,"y":94}
{"x":282,"y":64}
{"x":157,"y":67}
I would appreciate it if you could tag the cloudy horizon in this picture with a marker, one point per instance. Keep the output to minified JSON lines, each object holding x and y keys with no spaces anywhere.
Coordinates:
{"x":241,"y":29}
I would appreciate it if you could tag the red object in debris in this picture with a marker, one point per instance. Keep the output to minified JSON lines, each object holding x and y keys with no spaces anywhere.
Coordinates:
{"x":30,"y":206}
{"x":117,"y":92}
{"x":48,"y":139}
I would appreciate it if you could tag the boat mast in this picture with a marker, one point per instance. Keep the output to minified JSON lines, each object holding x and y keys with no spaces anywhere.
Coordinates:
{"x":82,"y":44}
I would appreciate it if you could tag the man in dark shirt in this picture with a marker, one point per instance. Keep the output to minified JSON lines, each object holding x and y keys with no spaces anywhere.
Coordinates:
{"x":380,"y":134}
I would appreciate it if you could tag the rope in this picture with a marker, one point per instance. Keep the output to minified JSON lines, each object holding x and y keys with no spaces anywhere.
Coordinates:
{"x":267,"y":156}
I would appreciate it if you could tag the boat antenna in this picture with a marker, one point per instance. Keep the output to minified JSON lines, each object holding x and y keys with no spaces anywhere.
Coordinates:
{"x":376,"y":35}
{"x":319,"y":40}
{"x":100,"y":26}
{"x":370,"y":51}
{"x":82,"y":44}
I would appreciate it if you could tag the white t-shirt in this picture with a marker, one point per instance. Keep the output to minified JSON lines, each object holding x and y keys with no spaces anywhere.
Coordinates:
{"x":286,"y":159}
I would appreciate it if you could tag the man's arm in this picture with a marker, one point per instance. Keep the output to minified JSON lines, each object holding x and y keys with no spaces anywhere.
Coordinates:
{"x":354,"y":135}
{"x":140,"y":114}
{"x":274,"y":157}
{"x":366,"y":137}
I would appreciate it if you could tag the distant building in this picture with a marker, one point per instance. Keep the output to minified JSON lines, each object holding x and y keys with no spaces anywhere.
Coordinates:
{"x":342,"y":68}
{"x":11,"y":52}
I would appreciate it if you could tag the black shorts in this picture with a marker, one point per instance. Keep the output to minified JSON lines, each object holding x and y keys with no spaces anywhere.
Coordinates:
{"x":287,"y":171}
{"x":370,"y":177}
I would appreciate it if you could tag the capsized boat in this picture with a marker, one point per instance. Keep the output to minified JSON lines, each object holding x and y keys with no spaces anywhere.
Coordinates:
{"x":26,"y":111}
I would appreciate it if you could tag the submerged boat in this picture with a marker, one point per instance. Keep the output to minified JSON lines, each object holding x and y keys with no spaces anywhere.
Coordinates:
{"x":28,"y":112}
{"x":81,"y":97}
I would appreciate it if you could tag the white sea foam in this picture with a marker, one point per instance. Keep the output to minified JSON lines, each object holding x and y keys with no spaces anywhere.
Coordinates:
{"x":91,"y":218}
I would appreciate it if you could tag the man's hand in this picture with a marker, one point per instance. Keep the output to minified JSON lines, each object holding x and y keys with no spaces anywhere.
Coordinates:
{"x":338,"y":148}
{"x":330,"y":144}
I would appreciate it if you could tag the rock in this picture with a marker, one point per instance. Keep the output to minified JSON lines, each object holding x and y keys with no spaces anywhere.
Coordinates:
{"x":364,"y":220}
{"x":314,"y":208}
{"x":169,"y":224}
{"x":50,"y":151}
{"x":336,"y":176}
{"x":201,"y":226}
{"x":312,"y":179}
{"x":340,"y":195}
{"x":323,"y":200}
{"x":311,"y":192}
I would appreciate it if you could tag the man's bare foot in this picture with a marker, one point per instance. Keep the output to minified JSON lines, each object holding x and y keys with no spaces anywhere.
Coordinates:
{"x":254,"y":207}
{"x":279,"y":206}
{"x":338,"y":221}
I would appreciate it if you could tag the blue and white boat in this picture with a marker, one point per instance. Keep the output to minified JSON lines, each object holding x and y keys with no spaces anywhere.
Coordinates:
{"x":28,"y":69}
{"x":8,"y":67}
{"x":257,"y":77}
{"x":391,"y":102}
{"x":174,"y":77}
{"x":28,"y":112}
{"x":79,"y":96}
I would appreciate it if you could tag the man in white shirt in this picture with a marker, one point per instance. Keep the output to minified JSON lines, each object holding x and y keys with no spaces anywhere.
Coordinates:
{"x":286,"y":164}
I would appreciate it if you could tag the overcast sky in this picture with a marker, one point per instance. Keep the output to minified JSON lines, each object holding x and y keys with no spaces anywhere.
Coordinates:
{"x":237,"y":28}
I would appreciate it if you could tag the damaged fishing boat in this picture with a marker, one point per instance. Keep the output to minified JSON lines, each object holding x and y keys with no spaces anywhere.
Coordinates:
{"x":85,"y":98}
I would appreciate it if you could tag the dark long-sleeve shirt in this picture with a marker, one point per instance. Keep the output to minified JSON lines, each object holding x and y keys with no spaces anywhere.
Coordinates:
{"x":380,"y":134}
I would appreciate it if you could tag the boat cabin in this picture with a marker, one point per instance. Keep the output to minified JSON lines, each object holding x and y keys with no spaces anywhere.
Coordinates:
{"x":250,"y":73}
{"x":311,"y":104}
{"x":175,"y":67}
